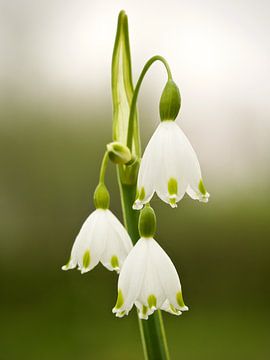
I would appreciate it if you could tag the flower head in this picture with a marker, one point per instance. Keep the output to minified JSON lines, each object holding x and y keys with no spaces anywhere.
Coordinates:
{"x":170,"y":168}
{"x":102,"y":238}
{"x":149,"y":280}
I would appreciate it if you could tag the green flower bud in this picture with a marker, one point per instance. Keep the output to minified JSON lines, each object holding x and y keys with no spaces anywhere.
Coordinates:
{"x":147,"y":222}
{"x":119,"y":153}
{"x":101,"y":197}
{"x":170,"y":101}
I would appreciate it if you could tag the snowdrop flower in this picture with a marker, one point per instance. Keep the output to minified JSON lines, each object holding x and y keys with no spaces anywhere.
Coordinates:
{"x":169,"y":164}
{"x":148,"y":277}
{"x":102,"y":238}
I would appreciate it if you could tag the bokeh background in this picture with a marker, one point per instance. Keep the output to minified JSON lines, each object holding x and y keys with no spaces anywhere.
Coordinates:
{"x":55,"y":111}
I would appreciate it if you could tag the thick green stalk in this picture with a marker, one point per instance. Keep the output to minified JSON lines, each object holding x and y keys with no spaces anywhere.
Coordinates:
{"x":152,"y":330}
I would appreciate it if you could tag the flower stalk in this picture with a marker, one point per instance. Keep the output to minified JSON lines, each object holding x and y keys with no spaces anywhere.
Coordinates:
{"x":126,"y":130}
{"x":103,"y":167}
{"x":132,"y":116}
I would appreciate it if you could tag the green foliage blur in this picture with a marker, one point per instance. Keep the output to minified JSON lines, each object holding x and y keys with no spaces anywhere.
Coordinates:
{"x":49,"y":170}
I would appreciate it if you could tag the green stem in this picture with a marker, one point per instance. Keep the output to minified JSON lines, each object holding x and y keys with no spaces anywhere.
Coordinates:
{"x":103,"y":167}
{"x":132,"y":117}
{"x":152,"y":330}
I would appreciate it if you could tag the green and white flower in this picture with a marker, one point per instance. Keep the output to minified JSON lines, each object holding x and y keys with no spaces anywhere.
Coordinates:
{"x":149,"y":280}
{"x":102,"y":238}
{"x":170,"y":168}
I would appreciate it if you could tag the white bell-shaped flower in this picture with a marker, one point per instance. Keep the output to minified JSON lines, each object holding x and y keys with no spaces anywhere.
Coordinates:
{"x":149,"y":280}
{"x":170,"y":168}
{"x":102,"y":238}
{"x":148,"y":277}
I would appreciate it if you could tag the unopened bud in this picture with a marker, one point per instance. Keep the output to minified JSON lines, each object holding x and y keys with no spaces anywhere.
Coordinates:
{"x":119,"y":153}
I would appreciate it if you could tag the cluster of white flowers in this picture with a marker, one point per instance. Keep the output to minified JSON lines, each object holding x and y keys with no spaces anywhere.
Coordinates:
{"x":147,"y":277}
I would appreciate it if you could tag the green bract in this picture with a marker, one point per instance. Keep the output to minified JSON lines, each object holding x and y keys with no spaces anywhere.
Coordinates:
{"x":101,"y":197}
{"x":119,"y":153}
{"x":170,"y":101}
{"x":122,"y":86}
{"x":147,"y":222}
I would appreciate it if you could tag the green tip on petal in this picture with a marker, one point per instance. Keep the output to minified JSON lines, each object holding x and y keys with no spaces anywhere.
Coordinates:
{"x":172,"y":202}
{"x":152,"y":301}
{"x":65,"y":267}
{"x":201,"y":187}
{"x":122,"y":313}
{"x":86,"y":259}
{"x":144,"y":310}
{"x":179,"y":299}
{"x":174,"y":310}
{"x":141,"y":194}
{"x":115,"y":262}
{"x":120,"y":300}
{"x":172,"y":186}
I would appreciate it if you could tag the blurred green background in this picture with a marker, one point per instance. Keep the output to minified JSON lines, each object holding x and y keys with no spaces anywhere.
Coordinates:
{"x":55,"y":119}
{"x":221,"y":250}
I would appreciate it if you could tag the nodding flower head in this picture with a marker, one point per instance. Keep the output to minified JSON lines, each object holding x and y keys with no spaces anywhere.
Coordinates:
{"x":102,"y":238}
{"x":149,"y":280}
{"x":170,"y":168}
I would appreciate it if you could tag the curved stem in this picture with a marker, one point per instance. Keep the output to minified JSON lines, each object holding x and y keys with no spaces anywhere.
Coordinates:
{"x":136,"y":93}
{"x":103,"y":167}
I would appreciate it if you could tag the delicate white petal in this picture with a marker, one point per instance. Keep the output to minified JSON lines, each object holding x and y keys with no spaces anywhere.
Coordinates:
{"x":69,"y":265}
{"x":148,"y":171}
{"x":131,"y":276}
{"x":187,"y":157}
{"x":118,"y":243}
{"x":144,"y":311}
{"x":167,"y":274}
{"x":101,"y":238}
{"x":168,"y":163}
{"x":152,"y":285}
{"x":169,"y":155}
{"x":170,"y":308}
{"x":195,"y":194}
{"x":92,"y":238}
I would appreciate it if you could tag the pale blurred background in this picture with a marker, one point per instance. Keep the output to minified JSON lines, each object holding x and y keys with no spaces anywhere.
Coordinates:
{"x":55,"y":119}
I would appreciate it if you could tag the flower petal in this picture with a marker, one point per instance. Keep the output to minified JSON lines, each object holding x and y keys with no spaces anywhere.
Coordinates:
{"x":131,"y":277}
{"x":168,"y":276}
{"x":117,"y":243}
{"x":148,"y":170}
{"x":152,"y":293}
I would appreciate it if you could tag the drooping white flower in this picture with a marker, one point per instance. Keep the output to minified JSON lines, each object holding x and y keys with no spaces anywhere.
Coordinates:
{"x":149,"y":280}
{"x":102,"y":238}
{"x":170,"y":168}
